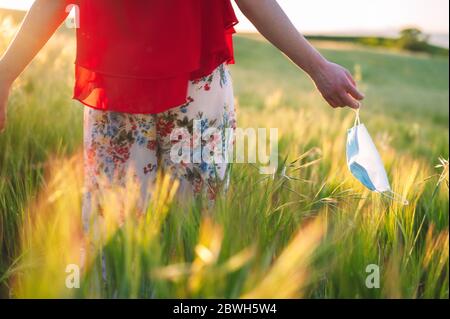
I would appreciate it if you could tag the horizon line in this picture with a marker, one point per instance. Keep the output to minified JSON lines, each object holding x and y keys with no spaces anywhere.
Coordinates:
{"x":382,"y":32}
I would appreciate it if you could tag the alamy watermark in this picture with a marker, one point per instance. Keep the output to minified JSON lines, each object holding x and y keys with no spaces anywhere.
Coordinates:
{"x":373,"y":277}
{"x":222,"y":146}
{"x":73,"y":276}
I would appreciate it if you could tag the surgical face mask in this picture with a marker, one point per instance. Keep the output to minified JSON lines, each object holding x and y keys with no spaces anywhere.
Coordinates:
{"x":364,"y":161}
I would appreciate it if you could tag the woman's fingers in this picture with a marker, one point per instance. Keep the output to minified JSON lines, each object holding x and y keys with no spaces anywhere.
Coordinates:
{"x":2,"y":121}
{"x":354,"y":92}
{"x":333,"y":102}
{"x":3,"y":104}
{"x":345,"y":95}
{"x":347,"y":100}
{"x":4,"y":94}
{"x":350,"y":77}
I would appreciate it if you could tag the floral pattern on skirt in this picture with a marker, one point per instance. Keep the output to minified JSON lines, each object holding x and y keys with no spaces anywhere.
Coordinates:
{"x":116,"y":142}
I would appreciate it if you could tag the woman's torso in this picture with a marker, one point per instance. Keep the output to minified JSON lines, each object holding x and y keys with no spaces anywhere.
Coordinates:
{"x":138,"y":56}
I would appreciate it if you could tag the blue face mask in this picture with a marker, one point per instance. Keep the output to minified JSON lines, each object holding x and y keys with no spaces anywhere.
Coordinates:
{"x":364,"y":161}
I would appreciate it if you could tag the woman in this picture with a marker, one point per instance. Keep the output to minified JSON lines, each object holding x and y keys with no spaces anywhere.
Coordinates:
{"x":145,"y":68}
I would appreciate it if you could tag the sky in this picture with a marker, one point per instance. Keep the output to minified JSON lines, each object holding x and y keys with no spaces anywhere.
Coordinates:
{"x":347,"y":16}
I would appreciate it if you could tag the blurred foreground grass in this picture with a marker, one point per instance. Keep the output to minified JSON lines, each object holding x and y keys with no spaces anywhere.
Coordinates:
{"x":310,"y":231}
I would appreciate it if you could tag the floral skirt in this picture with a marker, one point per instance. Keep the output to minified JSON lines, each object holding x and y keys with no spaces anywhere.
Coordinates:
{"x":118,"y":143}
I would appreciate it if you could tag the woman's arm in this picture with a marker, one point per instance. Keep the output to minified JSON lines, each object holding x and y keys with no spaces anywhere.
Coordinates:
{"x":333,"y":81}
{"x":41,"y":21}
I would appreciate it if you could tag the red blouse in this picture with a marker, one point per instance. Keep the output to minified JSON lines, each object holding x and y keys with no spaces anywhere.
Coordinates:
{"x":138,"y":56}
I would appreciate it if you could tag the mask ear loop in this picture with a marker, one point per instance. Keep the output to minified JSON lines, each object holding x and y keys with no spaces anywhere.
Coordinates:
{"x":357,"y":120}
{"x":395,"y":197}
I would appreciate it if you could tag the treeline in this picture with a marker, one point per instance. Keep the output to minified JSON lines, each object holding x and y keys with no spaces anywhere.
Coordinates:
{"x":410,"y":39}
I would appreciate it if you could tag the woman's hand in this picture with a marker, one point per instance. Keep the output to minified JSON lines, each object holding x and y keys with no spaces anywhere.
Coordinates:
{"x":41,"y":21}
{"x":4,"y":93}
{"x":336,"y":85}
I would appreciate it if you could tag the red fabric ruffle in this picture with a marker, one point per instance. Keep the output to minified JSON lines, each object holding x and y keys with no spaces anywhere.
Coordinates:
{"x":138,"y":56}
